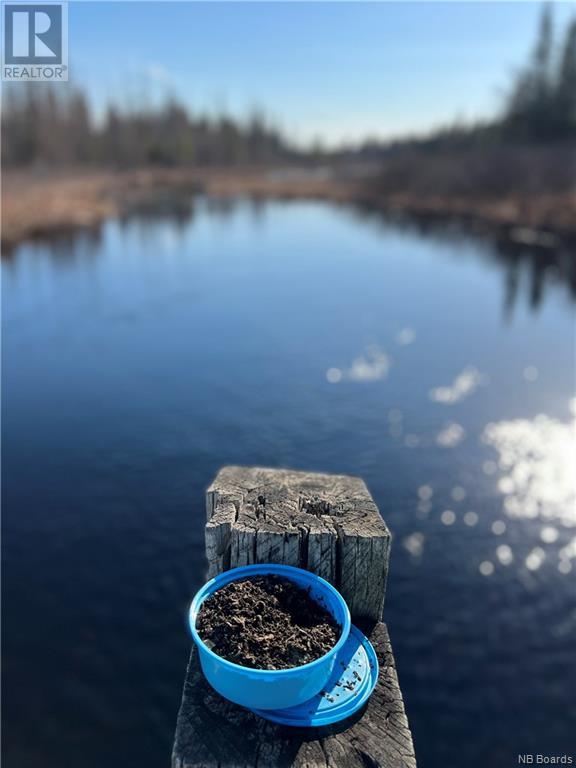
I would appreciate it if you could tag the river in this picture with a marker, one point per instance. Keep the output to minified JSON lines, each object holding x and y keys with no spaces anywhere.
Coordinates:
{"x":141,"y":357}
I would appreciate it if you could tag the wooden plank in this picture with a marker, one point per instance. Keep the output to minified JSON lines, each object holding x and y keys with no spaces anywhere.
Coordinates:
{"x":212,"y":732}
{"x":328,"y":524}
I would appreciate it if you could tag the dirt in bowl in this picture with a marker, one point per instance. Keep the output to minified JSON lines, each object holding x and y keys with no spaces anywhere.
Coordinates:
{"x":266,"y":622}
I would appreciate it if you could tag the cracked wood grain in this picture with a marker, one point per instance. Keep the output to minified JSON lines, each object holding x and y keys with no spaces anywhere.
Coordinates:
{"x":328,"y":524}
{"x":214,"y":733}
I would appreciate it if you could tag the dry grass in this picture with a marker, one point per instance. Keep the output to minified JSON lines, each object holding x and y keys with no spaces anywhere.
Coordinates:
{"x":40,"y":204}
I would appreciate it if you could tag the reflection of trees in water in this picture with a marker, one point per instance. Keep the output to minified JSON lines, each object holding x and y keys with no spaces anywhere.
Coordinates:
{"x":166,"y":207}
{"x":73,"y":244}
{"x":225,"y":206}
{"x":532,"y":262}
{"x":221,"y":207}
{"x":66,"y":246}
{"x":533,"y":269}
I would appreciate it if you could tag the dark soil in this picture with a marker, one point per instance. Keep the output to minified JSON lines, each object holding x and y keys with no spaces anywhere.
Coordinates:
{"x":266,"y":622}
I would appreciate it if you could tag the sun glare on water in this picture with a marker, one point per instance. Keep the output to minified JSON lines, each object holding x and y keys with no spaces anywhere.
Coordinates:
{"x":537,"y":459}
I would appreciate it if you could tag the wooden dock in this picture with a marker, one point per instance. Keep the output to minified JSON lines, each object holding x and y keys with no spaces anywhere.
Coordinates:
{"x":330,"y":525}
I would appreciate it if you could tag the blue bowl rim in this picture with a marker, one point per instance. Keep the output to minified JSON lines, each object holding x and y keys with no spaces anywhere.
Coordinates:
{"x":263,"y":568}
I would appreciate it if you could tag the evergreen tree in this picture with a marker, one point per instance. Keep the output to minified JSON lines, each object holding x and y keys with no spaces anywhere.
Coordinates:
{"x":529,"y":113}
{"x":566,"y":86}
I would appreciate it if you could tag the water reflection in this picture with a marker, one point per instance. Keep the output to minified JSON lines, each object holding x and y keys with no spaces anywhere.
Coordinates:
{"x":534,"y":476}
{"x":451,"y":435}
{"x":532,"y":266}
{"x":66,"y":247}
{"x":504,"y":554}
{"x":458,"y":493}
{"x":224,"y":363}
{"x":549,"y":534}
{"x":405,"y":337}
{"x":533,"y":262}
{"x":414,"y":543}
{"x":165,"y":207}
{"x":530,"y":373}
{"x":535,"y":559}
{"x":536,"y":457}
{"x":498,"y":527}
{"x":425,"y":492}
{"x":566,"y":555}
{"x":486,"y":568}
{"x":69,"y":245}
{"x":373,"y":365}
{"x":537,"y":483}
{"x":463,"y":385}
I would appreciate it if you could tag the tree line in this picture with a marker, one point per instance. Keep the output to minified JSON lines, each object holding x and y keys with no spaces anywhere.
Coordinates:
{"x":538,"y":109}
{"x":56,"y":127}
{"x":528,"y":151}
{"x":45,"y":125}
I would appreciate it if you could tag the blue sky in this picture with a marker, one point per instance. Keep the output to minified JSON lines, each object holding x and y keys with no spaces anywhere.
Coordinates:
{"x":340,"y":71}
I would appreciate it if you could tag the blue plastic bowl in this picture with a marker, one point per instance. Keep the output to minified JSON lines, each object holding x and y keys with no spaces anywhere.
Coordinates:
{"x":264,"y":688}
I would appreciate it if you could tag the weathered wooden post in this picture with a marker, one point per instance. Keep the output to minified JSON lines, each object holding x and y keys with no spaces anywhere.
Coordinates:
{"x":330,"y":525}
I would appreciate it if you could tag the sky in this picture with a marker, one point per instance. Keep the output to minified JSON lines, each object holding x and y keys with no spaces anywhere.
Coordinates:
{"x":338,"y":72}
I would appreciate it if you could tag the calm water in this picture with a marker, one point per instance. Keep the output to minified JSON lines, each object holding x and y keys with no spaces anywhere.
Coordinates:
{"x":139,"y":360}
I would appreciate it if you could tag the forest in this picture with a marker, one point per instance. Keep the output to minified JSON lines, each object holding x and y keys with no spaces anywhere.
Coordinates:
{"x":43,"y":125}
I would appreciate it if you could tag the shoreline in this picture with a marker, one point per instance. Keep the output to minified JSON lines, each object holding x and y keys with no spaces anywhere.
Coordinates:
{"x":40,"y":205}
